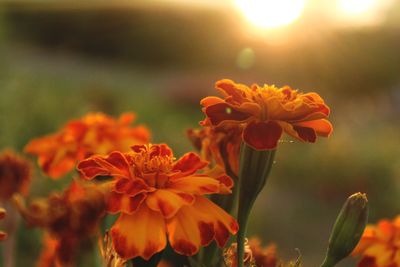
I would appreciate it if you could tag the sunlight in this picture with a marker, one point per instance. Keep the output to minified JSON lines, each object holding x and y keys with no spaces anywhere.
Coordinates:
{"x":271,"y":13}
{"x":355,"y":7}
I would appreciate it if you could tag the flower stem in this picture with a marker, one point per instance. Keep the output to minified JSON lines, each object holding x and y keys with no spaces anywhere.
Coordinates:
{"x":255,"y":166}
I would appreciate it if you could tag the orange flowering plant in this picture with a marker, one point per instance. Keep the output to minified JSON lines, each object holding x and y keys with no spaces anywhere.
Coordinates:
{"x":380,"y":245}
{"x":158,"y":195}
{"x":262,"y":114}
{"x":95,"y":133}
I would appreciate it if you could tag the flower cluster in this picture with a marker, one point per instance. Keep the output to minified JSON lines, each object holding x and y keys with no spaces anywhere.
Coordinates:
{"x":380,"y":245}
{"x":95,"y":133}
{"x":158,"y":195}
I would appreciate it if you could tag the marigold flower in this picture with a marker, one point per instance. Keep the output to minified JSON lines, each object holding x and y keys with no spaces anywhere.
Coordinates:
{"x":266,"y":112}
{"x":156,"y":195}
{"x":70,"y":218}
{"x":220,"y":145}
{"x":380,"y":245}
{"x":95,"y":133}
{"x":15,"y":175}
{"x":48,"y":256}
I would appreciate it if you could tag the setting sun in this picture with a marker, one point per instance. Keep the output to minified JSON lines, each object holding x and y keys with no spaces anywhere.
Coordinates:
{"x":271,"y":13}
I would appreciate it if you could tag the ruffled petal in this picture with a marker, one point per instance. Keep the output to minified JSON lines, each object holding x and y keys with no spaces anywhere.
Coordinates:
{"x":115,"y":164}
{"x":197,"y":225}
{"x":139,"y":234}
{"x":188,"y":164}
{"x":168,"y":202}
{"x":262,"y":135}
{"x":230,"y":89}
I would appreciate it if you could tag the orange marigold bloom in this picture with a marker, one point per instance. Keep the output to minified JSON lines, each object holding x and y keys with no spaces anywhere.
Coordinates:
{"x":265,"y":112}
{"x":15,"y":175}
{"x":157,"y":194}
{"x":380,"y":245}
{"x":220,"y":145}
{"x":95,"y":133}
{"x":70,"y":218}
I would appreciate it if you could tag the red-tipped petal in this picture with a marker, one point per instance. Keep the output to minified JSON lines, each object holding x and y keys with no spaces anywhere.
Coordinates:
{"x":262,"y":135}
{"x":114,"y":164}
{"x":188,"y":164}
{"x":140,"y":234}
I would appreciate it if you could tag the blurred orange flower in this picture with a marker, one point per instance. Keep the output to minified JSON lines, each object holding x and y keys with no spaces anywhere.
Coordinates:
{"x":220,"y":145}
{"x":265,"y":112}
{"x":157,"y":194}
{"x":263,"y":256}
{"x":2,"y":215}
{"x":95,"y":133}
{"x":380,"y":245}
{"x":15,"y":175}
{"x":69,"y":218}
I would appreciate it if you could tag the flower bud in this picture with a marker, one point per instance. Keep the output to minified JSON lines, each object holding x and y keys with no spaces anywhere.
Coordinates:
{"x":348,"y":229}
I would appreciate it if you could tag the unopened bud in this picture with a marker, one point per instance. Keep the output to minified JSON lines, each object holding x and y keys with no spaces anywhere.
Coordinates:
{"x":348,"y":229}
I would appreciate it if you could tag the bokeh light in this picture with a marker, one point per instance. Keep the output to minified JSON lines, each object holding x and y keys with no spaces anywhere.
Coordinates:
{"x":352,"y":7}
{"x":270,"y":13}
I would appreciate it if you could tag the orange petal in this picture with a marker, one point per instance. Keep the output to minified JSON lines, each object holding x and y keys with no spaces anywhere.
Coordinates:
{"x":306,"y":134}
{"x":229,"y":88}
{"x":126,"y":118}
{"x":210,"y":100}
{"x":223,"y":112}
{"x":168,"y":202}
{"x":115,"y":164}
{"x":188,"y":164}
{"x":123,"y":203}
{"x":322,"y":127}
{"x":262,"y":135}
{"x":139,"y":234}
{"x":198,"y":185}
{"x":197,"y":225}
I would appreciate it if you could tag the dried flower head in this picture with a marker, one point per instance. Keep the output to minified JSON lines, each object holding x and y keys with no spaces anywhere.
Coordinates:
{"x":95,"y":133}
{"x":266,"y":112}
{"x":15,"y":175}
{"x":157,"y":195}
{"x":230,"y":256}
{"x":70,"y":217}
{"x":108,"y":254}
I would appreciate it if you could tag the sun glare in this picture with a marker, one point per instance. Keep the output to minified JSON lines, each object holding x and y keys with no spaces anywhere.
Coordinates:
{"x":355,"y":7}
{"x":271,"y":13}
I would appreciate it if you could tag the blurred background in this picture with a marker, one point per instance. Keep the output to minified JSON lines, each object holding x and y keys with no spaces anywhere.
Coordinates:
{"x":61,"y":59}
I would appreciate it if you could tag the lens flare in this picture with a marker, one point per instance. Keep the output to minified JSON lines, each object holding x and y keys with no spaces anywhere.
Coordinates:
{"x":271,"y":13}
{"x":355,"y":7}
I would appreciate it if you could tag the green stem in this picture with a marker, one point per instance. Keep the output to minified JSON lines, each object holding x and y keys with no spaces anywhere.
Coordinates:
{"x":328,"y":262}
